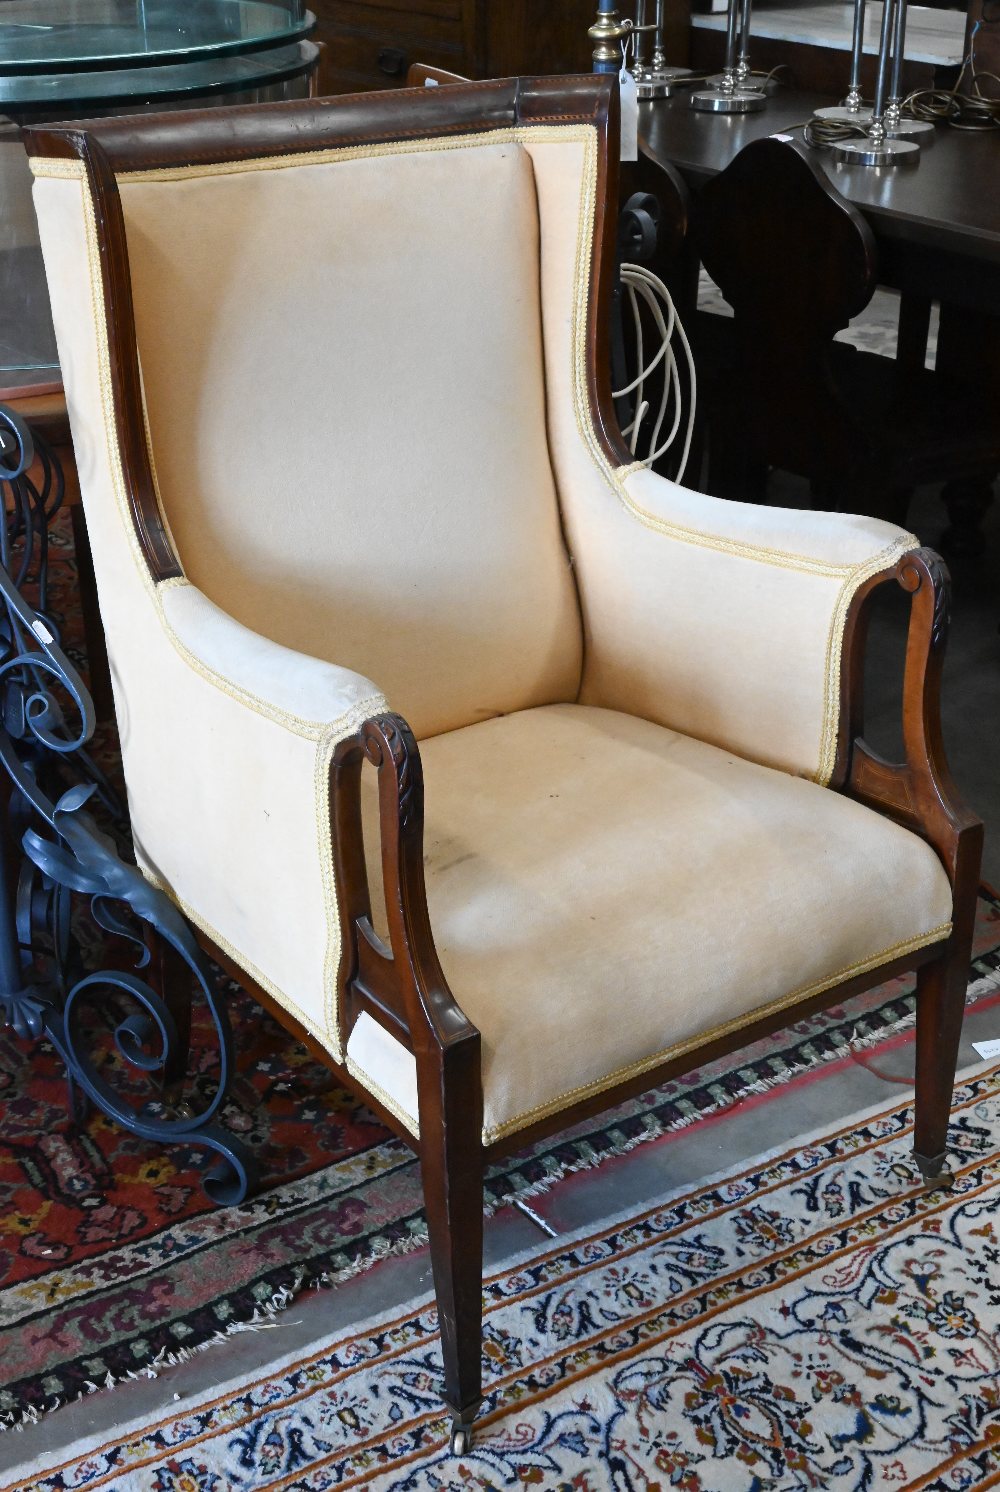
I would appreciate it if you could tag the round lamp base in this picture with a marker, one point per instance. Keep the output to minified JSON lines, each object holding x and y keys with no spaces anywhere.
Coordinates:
{"x":843,"y":115}
{"x":647,"y":88}
{"x":909,"y":129}
{"x":869,"y":153}
{"x":718,"y":101}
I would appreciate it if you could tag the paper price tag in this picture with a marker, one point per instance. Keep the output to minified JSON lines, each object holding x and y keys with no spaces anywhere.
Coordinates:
{"x":630,"y":116}
{"x":987,"y":1049}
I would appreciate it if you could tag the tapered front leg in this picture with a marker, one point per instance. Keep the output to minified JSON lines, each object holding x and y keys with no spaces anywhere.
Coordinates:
{"x":941,"y":987}
{"x":451,"y":1163}
{"x":447,"y":1048}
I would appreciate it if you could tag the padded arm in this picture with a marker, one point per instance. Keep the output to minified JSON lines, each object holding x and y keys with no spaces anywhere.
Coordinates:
{"x":267,"y":677}
{"x":723,"y":620}
{"x":228,"y":741}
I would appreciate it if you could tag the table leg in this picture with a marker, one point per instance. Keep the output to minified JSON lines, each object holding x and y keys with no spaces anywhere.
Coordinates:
{"x":914,"y":329}
{"x":968,"y":352}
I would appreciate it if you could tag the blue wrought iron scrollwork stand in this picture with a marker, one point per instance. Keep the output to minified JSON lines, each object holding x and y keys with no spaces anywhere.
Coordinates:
{"x":43,"y":751}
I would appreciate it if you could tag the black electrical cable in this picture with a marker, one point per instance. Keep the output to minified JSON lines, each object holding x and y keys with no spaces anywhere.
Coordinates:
{"x":962,"y":111}
{"x":822,"y":134}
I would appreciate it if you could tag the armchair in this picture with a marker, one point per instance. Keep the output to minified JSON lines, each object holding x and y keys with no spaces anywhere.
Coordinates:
{"x":375,"y":566}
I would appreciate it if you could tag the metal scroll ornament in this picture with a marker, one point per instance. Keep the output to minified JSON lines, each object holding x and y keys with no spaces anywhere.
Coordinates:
{"x":46,"y":721}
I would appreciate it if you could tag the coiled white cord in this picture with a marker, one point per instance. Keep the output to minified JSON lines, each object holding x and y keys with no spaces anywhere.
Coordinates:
{"x":644,"y":289}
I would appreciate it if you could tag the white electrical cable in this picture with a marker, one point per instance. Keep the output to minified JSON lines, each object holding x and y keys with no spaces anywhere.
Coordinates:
{"x":647,"y":290}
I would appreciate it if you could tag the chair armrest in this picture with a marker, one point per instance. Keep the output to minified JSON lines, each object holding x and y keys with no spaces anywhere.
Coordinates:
{"x":339,"y":717}
{"x":725,"y":620}
{"x":265,"y":677}
{"x":917,"y":791}
{"x":228,"y":742}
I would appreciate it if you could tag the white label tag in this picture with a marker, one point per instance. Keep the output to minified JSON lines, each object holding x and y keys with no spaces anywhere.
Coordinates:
{"x":987,"y":1049}
{"x":40,"y":630}
{"x":630,"y":116}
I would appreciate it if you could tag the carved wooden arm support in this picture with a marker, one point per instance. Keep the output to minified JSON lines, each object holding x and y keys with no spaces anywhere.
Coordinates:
{"x":918,"y":791}
{"x":402,"y":986}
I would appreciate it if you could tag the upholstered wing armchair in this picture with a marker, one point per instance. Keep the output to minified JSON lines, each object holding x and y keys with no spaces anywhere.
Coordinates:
{"x":373,"y":564}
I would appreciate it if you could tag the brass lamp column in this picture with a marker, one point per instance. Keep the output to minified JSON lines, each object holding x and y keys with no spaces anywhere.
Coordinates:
{"x":607,"y":33}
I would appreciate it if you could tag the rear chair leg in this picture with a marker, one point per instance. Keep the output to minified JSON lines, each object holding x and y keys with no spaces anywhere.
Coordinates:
{"x":941,"y":989}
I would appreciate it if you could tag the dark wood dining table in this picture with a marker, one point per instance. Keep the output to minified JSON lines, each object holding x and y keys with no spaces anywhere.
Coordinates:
{"x":937,"y":222}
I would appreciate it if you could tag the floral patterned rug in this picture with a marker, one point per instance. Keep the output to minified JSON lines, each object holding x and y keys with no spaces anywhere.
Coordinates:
{"x":814,"y":1319}
{"x":112,"y":1259}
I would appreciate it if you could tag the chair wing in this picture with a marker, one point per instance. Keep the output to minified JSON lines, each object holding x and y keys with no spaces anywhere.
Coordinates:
{"x":226,"y":759}
{"x":717,"y":619}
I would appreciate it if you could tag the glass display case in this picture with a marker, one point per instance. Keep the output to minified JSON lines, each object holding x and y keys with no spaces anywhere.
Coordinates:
{"x":40,"y":36}
{"x":64,"y":59}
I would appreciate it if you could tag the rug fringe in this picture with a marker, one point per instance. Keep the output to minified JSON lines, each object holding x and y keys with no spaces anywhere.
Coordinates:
{"x":652,"y":1129}
{"x":261,"y":1320}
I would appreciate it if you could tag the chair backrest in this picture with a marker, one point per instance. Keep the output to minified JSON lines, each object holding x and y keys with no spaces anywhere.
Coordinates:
{"x":341,"y":365}
{"x":422,"y":74}
{"x":794,"y":259}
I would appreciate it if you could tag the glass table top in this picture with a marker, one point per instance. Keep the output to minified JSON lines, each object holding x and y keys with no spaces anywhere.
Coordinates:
{"x":23,"y":94}
{"x":45,"y":36}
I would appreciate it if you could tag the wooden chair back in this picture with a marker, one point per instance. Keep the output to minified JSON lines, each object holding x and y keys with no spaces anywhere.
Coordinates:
{"x":420,"y":74}
{"x":796,"y":262}
{"x":785,"y":248}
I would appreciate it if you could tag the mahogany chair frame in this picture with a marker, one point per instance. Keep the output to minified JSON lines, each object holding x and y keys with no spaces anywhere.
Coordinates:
{"x":402,"y":985}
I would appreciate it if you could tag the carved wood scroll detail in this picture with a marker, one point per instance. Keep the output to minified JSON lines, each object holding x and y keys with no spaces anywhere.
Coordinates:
{"x":919,"y":791}
{"x":392,"y":737}
{"x":926,"y":565}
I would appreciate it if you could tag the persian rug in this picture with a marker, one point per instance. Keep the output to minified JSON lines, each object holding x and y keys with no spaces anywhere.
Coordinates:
{"x":812,"y":1319}
{"x":113,"y":1261}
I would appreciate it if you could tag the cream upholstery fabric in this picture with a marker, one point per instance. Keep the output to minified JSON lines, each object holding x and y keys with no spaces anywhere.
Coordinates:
{"x":226,"y":738}
{"x":365,"y":492}
{"x":722,"y":620}
{"x":348,"y":416}
{"x":604,"y":891}
{"x":292,"y":685}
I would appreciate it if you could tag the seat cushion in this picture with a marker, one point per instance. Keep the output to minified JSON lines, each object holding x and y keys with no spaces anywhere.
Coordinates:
{"x":606,"y":893}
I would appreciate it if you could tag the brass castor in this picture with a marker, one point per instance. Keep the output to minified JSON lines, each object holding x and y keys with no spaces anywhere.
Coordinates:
{"x":461,"y":1440}
{"x":934,"y":1171}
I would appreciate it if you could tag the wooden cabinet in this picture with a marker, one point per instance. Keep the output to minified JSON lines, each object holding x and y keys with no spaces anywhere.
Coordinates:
{"x":371,"y":43}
